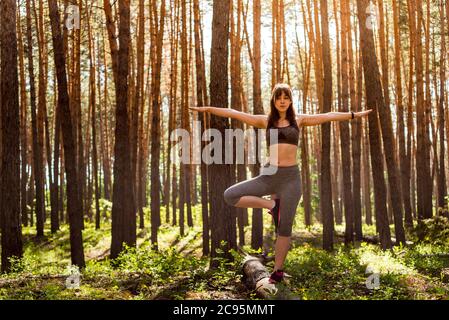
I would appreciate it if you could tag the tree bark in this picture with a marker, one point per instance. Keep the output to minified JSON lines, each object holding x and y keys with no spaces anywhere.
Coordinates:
{"x":11,"y":232}
{"x":374,"y":100}
{"x":326,"y":187}
{"x":222,"y":221}
{"x":37,"y":151}
{"x":73,"y":204}
{"x":257,"y":221}
{"x":123,"y":213}
{"x":156,"y":132}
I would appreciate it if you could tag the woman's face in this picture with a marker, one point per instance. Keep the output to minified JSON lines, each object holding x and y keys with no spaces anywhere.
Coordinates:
{"x":282,"y":103}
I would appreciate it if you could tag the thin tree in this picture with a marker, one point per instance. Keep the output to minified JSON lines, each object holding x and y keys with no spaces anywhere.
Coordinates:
{"x":326,"y":187}
{"x":405,"y":183}
{"x":156,"y":130}
{"x":123,"y":213}
{"x":374,"y":100}
{"x":37,"y":151}
{"x":202,"y":100}
{"x":23,"y":124}
{"x":344,"y":127}
{"x":423,"y":176}
{"x":92,"y":102}
{"x":223,"y":231}
{"x":441,"y":177}
{"x":137,"y":116}
{"x":257,"y":218}
{"x":73,"y":201}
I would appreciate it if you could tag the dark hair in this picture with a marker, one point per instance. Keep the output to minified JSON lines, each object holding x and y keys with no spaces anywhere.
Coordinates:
{"x":274,"y":116}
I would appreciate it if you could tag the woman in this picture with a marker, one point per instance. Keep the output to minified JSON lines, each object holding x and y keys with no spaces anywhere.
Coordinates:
{"x":285,"y":184}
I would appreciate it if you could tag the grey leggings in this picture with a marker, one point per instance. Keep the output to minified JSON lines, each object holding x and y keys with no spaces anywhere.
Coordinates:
{"x":285,"y":183}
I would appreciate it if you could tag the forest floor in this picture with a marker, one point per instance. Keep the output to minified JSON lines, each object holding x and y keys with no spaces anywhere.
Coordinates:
{"x":178,"y":270}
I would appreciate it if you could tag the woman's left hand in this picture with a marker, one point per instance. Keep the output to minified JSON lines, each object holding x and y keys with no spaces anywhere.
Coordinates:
{"x":362,"y":113}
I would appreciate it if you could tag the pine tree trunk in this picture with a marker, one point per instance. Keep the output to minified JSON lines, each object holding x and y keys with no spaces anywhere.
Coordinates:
{"x":441,"y":178}
{"x":93,"y":103}
{"x":73,"y":204}
{"x":374,"y":99}
{"x":355,"y":132}
{"x":405,"y":183}
{"x":326,"y":187}
{"x":344,"y":130}
{"x":257,"y":221}
{"x":138,"y":110}
{"x":156,"y":132}
{"x":222,"y":222}
{"x":200,"y":78}
{"x":23,"y":126}
{"x":11,"y":232}
{"x":424,"y":190}
{"x":123,"y":213}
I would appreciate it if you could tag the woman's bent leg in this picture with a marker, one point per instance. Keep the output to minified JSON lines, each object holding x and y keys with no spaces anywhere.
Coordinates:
{"x":248,"y":194}
{"x":255,"y":202}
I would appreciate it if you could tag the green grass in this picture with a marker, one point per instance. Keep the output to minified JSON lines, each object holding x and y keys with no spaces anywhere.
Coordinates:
{"x":178,"y":270}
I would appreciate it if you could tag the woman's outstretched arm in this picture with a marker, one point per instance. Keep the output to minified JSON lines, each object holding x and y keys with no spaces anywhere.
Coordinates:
{"x":256,"y":120}
{"x":317,"y":119}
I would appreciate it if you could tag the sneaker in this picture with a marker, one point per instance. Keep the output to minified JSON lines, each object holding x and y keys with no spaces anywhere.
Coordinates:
{"x":276,"y":277}
{"x":276,"y":213}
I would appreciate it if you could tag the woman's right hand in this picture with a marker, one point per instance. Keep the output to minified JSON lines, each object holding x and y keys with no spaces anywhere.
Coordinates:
{"x":199,"y":109}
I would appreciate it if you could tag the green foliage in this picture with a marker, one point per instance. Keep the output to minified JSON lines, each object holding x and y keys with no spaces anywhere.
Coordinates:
{"x":159,"y":265}
{"x":344,"y":274}
{"x":177,"y":271}
{"x":105,"y":207}
{"x":434,"y":230}
{"x":228,"y":270}
{"x":428,"y":259}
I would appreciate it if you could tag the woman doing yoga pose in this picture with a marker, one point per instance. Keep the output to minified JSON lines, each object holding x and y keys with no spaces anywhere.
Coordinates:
{"x":284,"y":185}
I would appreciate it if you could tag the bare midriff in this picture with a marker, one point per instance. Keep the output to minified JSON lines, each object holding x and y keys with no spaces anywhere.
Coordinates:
{"x":283,"y":155}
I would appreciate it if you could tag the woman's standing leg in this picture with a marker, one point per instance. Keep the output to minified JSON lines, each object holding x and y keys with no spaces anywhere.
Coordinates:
{"x":281,"y":249}
{"x":290,"y":195}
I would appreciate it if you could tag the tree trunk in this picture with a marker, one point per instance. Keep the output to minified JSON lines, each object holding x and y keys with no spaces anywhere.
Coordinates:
{"x":394,"y":182}
{"x":201,"y":99}
{"x":424,"y":190}
{"x":441,"y":178}
{"x":73,"y":204}
{"x":257,"y":219}
{"x":405,"y":183}
{"x":355,"y":131}
{"x":222,"y":221}
{"x":11,"y":232}
{"x":93,"y":102}
{"x":326,"y":187}
{"x":37,"y":151}
{"x":23,"y":126}
{"x":374,"y":99}
{"x":138,"y":117}
{"x":123,"y":213}
{"x":344,"y":130}
{"x":156,"y":132}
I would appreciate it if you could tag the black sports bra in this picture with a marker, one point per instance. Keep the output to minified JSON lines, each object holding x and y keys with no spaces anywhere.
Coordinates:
{"x":288,"y":134}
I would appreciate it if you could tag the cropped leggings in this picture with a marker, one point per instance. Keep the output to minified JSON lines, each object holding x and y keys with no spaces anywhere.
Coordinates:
{"x":285,"y":182}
